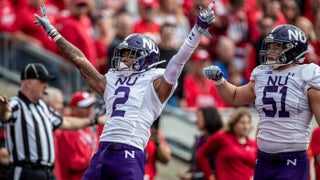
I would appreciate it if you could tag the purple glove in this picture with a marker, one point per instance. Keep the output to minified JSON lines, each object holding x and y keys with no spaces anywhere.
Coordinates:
{"x":205,"y":19}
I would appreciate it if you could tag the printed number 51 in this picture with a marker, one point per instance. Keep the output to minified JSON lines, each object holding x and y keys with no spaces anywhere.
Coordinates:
{"x":270,"y":100}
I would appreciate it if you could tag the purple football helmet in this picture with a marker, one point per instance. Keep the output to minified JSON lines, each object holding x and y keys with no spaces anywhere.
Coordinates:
{"x":293,"y":41}
{"x":142,"y":47}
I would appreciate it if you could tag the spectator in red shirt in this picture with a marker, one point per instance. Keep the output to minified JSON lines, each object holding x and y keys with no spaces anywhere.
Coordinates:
{"x":147,"y":24}
{"x":235,"y":153}
{"x":172,"y":12}
{"x":198,"y":90}
{"x":25,"y":31}
{"x":77,"y":28}
{"x":123,"y":28}
{"x":7,"y":15}
{"x":76,"y":147}
{"x":290,"y":10}
{"x":311,"y":9}
{"x":307,"y":27}
{"x":272,"y":8}
{"x":157,"y":150}
{"x":315,"y":147}
{"x":102,"y":22}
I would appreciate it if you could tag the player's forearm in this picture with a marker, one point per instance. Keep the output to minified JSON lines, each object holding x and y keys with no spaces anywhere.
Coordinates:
{"x":227,"y":92}
{"x":176,"y":64}
{"x":73,"y":123}
{"x":88,"y":72}
{"x":71,"y":52}
{"x":236,"y":96}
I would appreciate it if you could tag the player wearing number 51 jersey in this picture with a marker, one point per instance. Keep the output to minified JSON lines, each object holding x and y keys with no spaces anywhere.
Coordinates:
{"x":283,"y":106}
{"x":286,"y":95}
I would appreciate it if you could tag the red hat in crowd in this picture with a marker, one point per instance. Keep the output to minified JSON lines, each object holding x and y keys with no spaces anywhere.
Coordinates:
{"x":82,"y":99}
{"x":148,"y":3}
{"x":200,"y":55}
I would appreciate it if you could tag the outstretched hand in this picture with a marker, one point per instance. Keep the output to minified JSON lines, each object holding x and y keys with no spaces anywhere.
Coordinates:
{"x":44,"y":21}
{"x":205,"y":19}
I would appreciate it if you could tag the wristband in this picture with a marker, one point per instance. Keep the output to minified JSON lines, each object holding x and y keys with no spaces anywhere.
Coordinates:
{"x":57,"y":37}
{"x":219,"y":82}
{"x":54,"y":34}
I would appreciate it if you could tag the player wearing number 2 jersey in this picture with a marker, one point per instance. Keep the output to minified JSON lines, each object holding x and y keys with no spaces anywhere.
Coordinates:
{"x":135,"y":93}
{"x":286,"y":96}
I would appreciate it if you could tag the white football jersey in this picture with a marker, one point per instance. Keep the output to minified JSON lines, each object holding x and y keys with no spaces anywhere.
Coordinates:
{"x":132,"y":106}
{"x":282,"y":104}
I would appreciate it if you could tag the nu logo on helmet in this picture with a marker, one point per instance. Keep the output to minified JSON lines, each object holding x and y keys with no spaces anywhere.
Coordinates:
{"x":297,"y":35}
{"x":150,"y":44}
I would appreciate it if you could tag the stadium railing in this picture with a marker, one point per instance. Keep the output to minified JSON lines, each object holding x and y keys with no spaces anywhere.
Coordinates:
{"x":15,"y":55}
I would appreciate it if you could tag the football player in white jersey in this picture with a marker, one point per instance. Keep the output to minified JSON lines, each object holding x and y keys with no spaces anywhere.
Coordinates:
{"x":286,"y":95}
{"x":135,"y":93}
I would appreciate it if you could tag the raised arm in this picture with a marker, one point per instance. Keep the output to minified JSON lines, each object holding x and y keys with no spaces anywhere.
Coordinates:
{"x":94,"y":79}
{"x":228,"y":92}
{"x":163,"y":85}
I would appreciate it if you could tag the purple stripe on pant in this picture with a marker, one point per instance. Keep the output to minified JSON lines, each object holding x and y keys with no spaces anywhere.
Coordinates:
{"x":282,"y":166}
{"x":116,"y":161}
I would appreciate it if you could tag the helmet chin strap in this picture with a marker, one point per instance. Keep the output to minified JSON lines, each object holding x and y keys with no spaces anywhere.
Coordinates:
{"x":274,"y":66}
{"x":154,"y":64}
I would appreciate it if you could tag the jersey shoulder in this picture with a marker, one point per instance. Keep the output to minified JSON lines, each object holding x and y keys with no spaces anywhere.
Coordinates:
{"x":310,"y":71}
{"x":260,"y":69}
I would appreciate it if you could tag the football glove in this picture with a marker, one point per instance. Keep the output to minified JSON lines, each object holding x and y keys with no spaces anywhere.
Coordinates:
{"x":214,"y":73}
{"x":46,"y":24}
{"x":205,"y":19}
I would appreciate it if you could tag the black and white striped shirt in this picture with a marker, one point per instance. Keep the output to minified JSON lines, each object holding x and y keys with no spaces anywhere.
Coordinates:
{"x":30,"y":131}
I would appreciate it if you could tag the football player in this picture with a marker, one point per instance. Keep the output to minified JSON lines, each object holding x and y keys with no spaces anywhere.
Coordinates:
{"x":286,"y":95}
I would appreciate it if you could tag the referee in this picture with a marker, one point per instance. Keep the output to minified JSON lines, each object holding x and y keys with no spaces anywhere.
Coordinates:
{"x":30,"y":124}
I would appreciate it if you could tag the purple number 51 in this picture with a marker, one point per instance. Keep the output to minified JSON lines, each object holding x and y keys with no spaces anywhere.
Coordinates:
{"x":272,"y":102}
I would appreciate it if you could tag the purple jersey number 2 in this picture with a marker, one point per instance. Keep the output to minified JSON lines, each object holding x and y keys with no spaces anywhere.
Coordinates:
{"x":272,"y":102}
{"x":123,"y":94}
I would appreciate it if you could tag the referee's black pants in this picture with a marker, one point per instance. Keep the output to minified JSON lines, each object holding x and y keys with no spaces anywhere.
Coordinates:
{"x":31,"y":173}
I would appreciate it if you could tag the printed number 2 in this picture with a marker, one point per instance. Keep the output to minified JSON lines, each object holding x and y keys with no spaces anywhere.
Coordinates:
{"x":123,"y":93}
{"x":272,"y":102}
